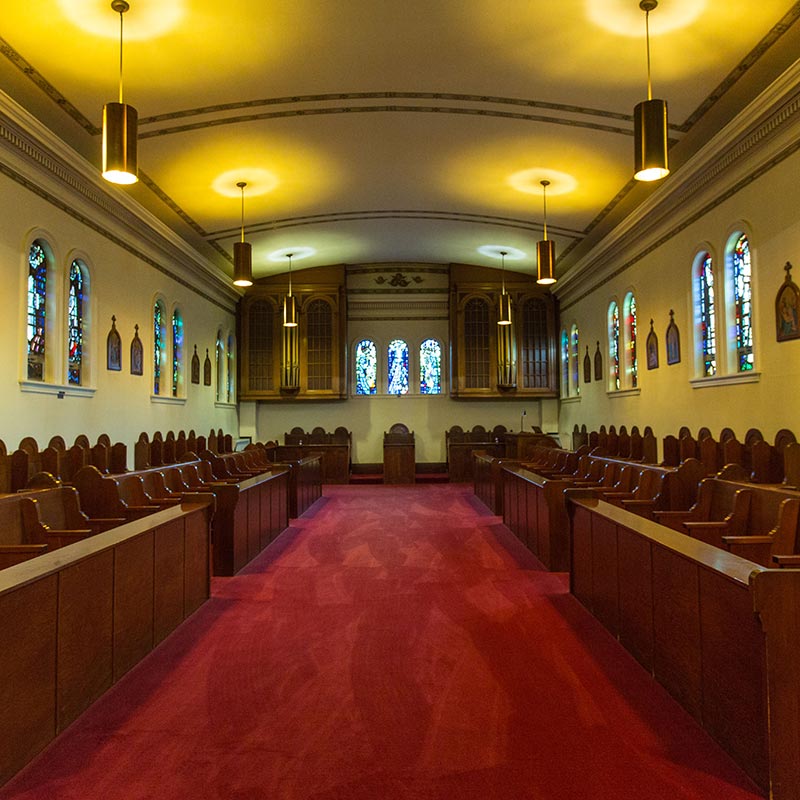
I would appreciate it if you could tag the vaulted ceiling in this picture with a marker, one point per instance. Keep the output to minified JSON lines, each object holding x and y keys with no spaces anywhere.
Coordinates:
{"x":372,"y":131}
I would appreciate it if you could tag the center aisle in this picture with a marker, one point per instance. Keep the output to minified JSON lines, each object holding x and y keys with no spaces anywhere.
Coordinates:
{"x":398,"y":644}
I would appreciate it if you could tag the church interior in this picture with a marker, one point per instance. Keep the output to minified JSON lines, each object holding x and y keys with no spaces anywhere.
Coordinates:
{"x":309,"y":224}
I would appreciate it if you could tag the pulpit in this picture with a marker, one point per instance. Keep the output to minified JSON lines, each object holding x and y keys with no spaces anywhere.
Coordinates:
{"x":398,"y":455}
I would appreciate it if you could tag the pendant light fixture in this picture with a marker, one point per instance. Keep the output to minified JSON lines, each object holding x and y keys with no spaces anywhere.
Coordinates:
{"x":289,"y":305}
{"x":650,"y":123}
{"x":546,"y":249}
{"x":119,"y":127}
{"x":504,"y":317}
{"x":242,"y":254}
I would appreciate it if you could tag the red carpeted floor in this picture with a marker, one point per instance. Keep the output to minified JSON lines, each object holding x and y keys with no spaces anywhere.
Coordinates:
{"x":397,"y":644}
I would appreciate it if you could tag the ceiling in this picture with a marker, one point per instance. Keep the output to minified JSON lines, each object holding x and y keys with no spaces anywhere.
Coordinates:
{"x":374,"y":131}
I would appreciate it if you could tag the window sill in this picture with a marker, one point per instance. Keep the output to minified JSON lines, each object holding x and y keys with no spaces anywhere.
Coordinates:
{"x":169,"y":401}
{"x":58,"y":389}
{"x":725,"y":380}
{"x":220,"y":404}
{"x":574,"y":399}
{"x":408,"y":396}
{"x":625,"y":392}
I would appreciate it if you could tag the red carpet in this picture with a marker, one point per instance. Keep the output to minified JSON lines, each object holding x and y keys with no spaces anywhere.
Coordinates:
{"x":398,"y":644}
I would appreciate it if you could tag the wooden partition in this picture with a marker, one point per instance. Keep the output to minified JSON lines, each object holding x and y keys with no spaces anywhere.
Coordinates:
{"x":332,"y":449}
{"x":74,"y":621}
{"x":461,"y":445}
{"x":399,"y":464}
{"x":721,"y":634}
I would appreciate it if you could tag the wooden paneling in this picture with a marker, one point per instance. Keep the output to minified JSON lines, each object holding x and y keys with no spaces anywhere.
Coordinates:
{"x":85,"y":635}
{"x":604,"y":573}
{"x":398,"y":463}
{"x":581,"y":575}
{"x":169,"y":579}
{"x":265,"y":511}
{"x":133,"y":602}
{"x":241,"y":518}
{"x":254,"y":521}
{"x":28,"y":667}
{"x":635,"y":570}
{"x":197,"y":566}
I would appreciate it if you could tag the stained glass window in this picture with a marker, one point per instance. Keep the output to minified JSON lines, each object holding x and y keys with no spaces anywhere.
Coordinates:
{"x":564,"y":363}
{"x":366,"y":367}
{"x":75,"y":324}
{"x":632,"y":361}
{"x":37,"y":297}
{"x":158,"y":345}
{"x":231,"y":369}
{"x":397,"y":367}
{"x":613,"y":344}
{"x":430,"y":367}
{"x":708,"y":316}
{"x":743,"y":307}
{"x":177,"y":350}
{"x":576,"y":387}
{"x":220,"y":361}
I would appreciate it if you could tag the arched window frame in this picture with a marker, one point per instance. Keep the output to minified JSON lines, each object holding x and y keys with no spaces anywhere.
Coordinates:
{"x":355,"y":350}
{"x":86,"y":315}
{"x":398,"y":367}
{"x":630,"y":341}
{"x":321,"y":359}
{"x":564,"y":350}
{"x":706,"y":313}
{"x":159,"y":352}
{"x":614,"y":354}
{"x":478,"y":341}
{"x":177,"y":352}
{"x":739,"y":296}
{"x":219,"y":363}
{"x":38,"y":283}
{"x":574,"y":349}
{"x":434,"y":386}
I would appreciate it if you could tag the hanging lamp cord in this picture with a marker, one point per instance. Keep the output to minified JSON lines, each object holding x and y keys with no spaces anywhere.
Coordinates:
{"x":647,"y":35}
{"x":120,"y":55}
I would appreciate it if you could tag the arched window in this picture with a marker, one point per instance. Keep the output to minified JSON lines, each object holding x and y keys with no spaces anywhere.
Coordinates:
{"x":564,"y":363}
{"x":177,"y":351}
{"x":231,"y":370}
{"x":573,"y":355}
{"x":75,"y":306}
{"x":430,"y":367}
{"x":742,"y":304}
{"x":631,"y":361}
{"x":707,"y":315}
{"x":476,"y":343}
{"x":219,"y":351}
{"x":319,"y":358}
{"x":613,"y":346}
{"x":158,"y":345}
{"x":535,"y":345}
{"x":366,"y":362}
{"x":397,"y":367}
{"x":261,"y":323}
{"x":37,"y":304}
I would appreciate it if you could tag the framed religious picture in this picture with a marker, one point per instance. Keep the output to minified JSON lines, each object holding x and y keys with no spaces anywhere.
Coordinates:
{"x":114,"y":347}
{"x":207,"y":370}
{"x":587,"y":367}
{"x":137,"y":353}
{"x":787,"y":307}
{"x":598,"y":364}
{"x":651,"y":347}
{"x":195,"y":366}
{"x":673,"y":340}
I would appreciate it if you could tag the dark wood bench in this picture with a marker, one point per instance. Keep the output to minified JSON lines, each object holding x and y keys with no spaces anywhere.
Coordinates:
{"x":18,"y":522}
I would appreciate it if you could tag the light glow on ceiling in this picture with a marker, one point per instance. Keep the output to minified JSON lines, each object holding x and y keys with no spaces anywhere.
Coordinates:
{"x":297,"y":253}
{"x":259,"y":182}
{"x":497,"y":250}
{"x":530,"y":180}
{"x":625,"y":18}
{"x":146,"y":19}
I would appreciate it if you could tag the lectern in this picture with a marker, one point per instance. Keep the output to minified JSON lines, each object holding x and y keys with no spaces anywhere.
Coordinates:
{"x":398,"y":455}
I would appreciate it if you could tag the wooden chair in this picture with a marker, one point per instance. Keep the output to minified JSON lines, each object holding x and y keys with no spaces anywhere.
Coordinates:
{"x":780,"y":546}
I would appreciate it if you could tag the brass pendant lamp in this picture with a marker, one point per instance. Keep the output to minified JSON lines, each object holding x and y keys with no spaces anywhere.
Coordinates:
{"x":242,"y":254}
{"x":289,"y":304}
{"x":650,"y":123}
{"x":504,"y":316}
{"x":119,"y":127}
{"x":545,"y":249}
{"x":290,"y":363}
{"x":506,"y":340}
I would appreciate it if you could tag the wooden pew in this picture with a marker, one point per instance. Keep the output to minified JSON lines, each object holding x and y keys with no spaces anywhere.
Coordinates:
{"x":780,"y":546}
{"x":685,"y":611}
{"x":460,"y":445}
{"x":100,"y":496}
{"x":17,"y":522}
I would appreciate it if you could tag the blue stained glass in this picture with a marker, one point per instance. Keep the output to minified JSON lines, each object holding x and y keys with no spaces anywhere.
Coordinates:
{"x":708,"y":316}
{"x":398,"y":367}
{"x":743,"y":304}
{"x":366,"y":367}
{"x":614,"y":345}
{"x":177,"y":350}
{"x":158,"y":345}
{"x":630,"y":321}
{"x":564,"y":363}
{"x":220,"y":359}
{"x":75,"y":323}
{"x":230,"y":369}
{"x":576,"y":387}
{"x":37,"y":303}
{"x":430,"y":367}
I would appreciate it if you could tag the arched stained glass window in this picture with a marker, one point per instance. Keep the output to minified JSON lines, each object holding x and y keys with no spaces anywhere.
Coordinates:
{"x":707,"y":316}
{"x":564,"y":363}
{"x":366,"y":367}
{"x":177,"y":351}
{"x":75,"y":305}
{"x":430,"y":367}
{"x":613,"y":346}
{"x":742,"y":303}
{"x":573,"y":355}
{"x":219,"y":352}
{"x":397,"y":367}
{"x":37,"y":303}
{"x":231,"y":370}
{"x":476,"y":343}
{"x":158,"y":345}
{"x":631,"y":360}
